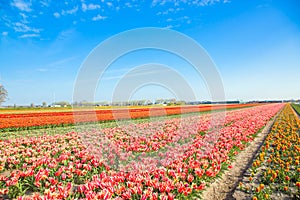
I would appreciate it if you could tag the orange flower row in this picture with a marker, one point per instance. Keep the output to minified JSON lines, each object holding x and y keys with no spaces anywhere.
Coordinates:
{"x":71,"y":117}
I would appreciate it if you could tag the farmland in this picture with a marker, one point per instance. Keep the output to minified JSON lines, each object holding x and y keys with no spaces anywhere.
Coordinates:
{"x":172,"y":157}
{"x":149,"y":100}
{"x":275,"y":172}
{"x":25,"y":119}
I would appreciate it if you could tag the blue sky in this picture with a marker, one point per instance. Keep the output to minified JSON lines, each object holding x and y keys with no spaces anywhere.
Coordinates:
{"x":255,"y":45}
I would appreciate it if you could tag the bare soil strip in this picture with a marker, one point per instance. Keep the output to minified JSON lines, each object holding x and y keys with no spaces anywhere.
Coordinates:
{"x":224,"y":187}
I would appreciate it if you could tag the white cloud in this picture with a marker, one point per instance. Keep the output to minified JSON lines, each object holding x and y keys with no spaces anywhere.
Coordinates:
{"x":176,"y":3}
{"x":20,"y":27}
{"x":168,"y":11}
{"x":90,"y":6}
{"x":23,"y":15}
{"x":45,"y":3}
{"x":83,"y":7}
{"x":155,"y":2}
{"x":4,"y":33}
{"x":42,"y":70}
{"x":169,"y":27}
{"x":206,"y":2}
{"x":98,"y":17}
{"x":21,"y":5}
{"x":56,"y":15}
{"x":70,"y":12}
{"x":65,"y":34}
{"x":128,"y":5}
{"x":24,"y":20}
{"x":93,"y":6}
{"x":172,"y":21}
{"x":29,"y":35}
{"x":109,"y":4}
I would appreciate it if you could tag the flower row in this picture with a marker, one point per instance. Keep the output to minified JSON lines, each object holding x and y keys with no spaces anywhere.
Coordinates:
{"x":275,"y":173}
{"x":70,"y":117}
{"x":66,"y":167}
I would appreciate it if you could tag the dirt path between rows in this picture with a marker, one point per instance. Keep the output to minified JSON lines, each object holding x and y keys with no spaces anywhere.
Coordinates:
{"x":224,"y":188}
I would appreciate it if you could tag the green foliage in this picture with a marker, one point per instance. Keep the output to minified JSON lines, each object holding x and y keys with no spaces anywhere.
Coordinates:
{"x":296,"y":108}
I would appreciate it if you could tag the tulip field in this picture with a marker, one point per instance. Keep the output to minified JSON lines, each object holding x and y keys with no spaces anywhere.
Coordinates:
{"x":275,"y":172}
{"x":170,"y":158}
{"x":49,"y":119}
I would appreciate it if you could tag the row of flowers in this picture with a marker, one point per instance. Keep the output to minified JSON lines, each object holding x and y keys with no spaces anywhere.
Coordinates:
{"x":66,"y":166}
{"x":275,"y":173}
{"x":9,"y":120}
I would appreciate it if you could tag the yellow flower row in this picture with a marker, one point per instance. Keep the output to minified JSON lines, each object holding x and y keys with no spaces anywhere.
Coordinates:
{"x":277,"y":168}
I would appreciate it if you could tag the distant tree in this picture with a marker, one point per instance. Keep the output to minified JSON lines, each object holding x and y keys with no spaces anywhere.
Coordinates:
{"x":148,"y":102}
{"x":75,"y":103}
{"x":3,"y":94}
{"x":32,"y":105}
{"x":44,"y":104}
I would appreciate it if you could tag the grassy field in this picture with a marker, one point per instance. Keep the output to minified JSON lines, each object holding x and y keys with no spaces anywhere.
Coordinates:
{"x":296,"y":108}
